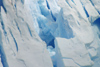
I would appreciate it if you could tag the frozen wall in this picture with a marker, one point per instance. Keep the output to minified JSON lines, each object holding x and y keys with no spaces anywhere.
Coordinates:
{"x":82,"y":19}
{"x":70,"y":30}
{"x":72,"y":24}
{"x":20,"y":45}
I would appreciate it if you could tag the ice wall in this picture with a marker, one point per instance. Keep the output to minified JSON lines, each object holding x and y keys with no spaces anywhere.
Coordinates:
{"x":82,"y":19}
{"x":20,"y":45}
{"x":74,"y":25}
{"x":70,"y":30}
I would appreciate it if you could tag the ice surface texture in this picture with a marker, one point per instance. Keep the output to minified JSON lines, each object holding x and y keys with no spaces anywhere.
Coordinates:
{"x":69,"y":29}
{"x":20,"y":45}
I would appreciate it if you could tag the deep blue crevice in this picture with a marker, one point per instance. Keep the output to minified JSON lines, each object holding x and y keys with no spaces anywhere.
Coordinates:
{"x":98,"y":12}
{"x":97,"y":23}
{"x":48,"y":38}
{"x":1,"y":4}
{"x":86,"y":12}
{"x":15,"y":5}
{"x":18,"y":27}
{"x":81,"y":2}
{"x":14,"y":40}
{"x":51,"y":43}
{"x":73,"y":1}
{"x":22,"y":1}
{"x":54,"y":18}
{"x":78,"y":23}
{"x":47,"y":4}
{"x":68,"y":3}
{"x":3,"y":27}
{"x":29,"y":30}
{"x":91,"y":2}
{"x":4,"y":31}
{"x":94,"y":6}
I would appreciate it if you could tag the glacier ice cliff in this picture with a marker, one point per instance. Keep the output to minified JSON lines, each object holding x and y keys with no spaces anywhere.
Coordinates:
{"x":20,"y":45}
{"x":49,"y":33}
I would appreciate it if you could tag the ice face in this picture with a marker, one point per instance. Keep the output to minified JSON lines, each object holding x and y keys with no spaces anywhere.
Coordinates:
{"x":33,"y":30}
{"x":20,"y":45}
{"x":72,"y":53}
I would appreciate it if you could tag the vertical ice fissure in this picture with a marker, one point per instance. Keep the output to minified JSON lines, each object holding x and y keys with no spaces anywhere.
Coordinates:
{"x":14,"y":40}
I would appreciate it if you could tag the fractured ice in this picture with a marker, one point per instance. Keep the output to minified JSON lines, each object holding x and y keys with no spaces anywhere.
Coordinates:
{"x":32,"y":31}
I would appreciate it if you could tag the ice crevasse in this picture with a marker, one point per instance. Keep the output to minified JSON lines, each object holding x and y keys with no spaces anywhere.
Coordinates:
{"x":49,"y":33}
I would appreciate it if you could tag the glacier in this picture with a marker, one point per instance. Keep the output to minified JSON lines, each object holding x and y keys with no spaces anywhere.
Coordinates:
{"x":20,"y":45}
{"x":49,"y":33}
